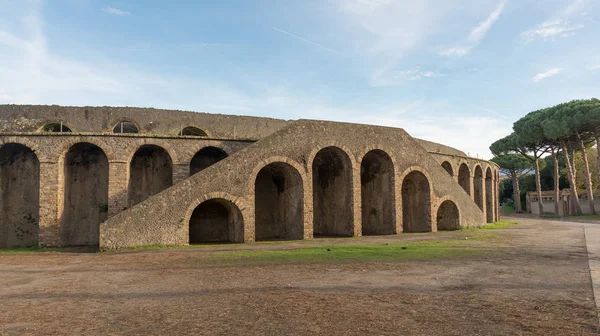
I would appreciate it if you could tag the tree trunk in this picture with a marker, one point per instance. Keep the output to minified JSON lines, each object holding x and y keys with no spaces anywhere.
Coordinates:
{"x":576,"y":207}
{"x":538,"y":185}
{"x":556,"y":183}
{"x":587,"y":177}
{"x":516,"y":192}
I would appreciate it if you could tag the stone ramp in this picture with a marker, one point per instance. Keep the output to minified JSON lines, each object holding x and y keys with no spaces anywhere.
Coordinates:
{"x":163,"y":219}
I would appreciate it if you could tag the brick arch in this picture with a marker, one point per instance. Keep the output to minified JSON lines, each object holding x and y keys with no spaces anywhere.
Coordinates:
{"x":25,"y":142}
{"x":430,"y":198}
{"x":188,"y":154}
{"x":273,"y":159}
{"x":115,"y":122}
{"x":311,"y":156}
{"x":448,"y":167}
{"x":238,"y":202}
{"x":439,"y":203}
{"x":108,"y":151}
{"x":153,"y":142}
{"x":41,"y":125}
{"x":150,"y":172}
{"x":177,"y":132}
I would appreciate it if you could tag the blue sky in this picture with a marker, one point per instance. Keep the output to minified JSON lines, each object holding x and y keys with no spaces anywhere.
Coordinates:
{"x":454,"y":71}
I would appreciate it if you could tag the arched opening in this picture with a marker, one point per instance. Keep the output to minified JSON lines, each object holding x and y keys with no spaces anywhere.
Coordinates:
{"x":478,"y":187}
{"x":216,"y":220}
{"x":377,"y":194}
{"x":85,"y":194}
{"x":279,"y":203}
{"x":416,"y":203}
{"x":19,"y":196}
{"x":448,"y":217}
{"x":125,"y":127}
{"x":206,"y":157}
{"x":56,"y":128}
{"x":150,"y":172}
{"x":192,"y":131}
{"x":332,"y":193}
{"x":464,"y":178}
{"x":489,"y":196}
{"x":448,"y":167}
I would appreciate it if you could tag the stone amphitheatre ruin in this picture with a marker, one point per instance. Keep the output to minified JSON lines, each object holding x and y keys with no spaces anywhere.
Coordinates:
{"x":119,"y":177}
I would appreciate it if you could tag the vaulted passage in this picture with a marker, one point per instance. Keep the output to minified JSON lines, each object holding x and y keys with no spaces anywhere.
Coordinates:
{"x":416,"y":203}
{"x":85,"y":194}
{"x":216,"y":220}
{"x":478,"y":187}
{"x":489,"y":196}
{"x":448,"y":217}
{"x":464,"y":178}
{"x":377,"y":194}
{"x":448,"y":167}
{"x":206,"y":157}
{"x":150,"y":172}
{"x":332,"y":193}
{"x":279,"y":203}
{"x":19,"y":196}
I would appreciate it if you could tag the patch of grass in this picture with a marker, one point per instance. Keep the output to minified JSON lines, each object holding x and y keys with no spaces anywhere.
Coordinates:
{"x":347,"y":253}
{"x":585,"y":216}
{"x":31,"y":250}
{"x":499,"y":225}
{"x":508,"y":209}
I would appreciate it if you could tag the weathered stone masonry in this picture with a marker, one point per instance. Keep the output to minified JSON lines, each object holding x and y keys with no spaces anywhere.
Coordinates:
{"x":235,"y":179}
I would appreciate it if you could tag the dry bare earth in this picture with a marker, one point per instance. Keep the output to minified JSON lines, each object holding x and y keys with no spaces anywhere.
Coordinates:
{"x":533,"y":280}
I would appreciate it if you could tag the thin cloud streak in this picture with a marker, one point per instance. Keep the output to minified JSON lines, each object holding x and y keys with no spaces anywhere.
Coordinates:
{"x":115,"y":11}
{"x":305,"y":40}
{"x":544,"y":75}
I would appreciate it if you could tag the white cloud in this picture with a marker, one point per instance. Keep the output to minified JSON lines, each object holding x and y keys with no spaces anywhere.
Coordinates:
{"x":456,"y":51}
{"x":546,"y":74}
{"x":476,"y":35}
{"x":550,"y":30}
{"x":594,"y":67}
{"x":560,"y":25}
{"x":4,"y":96}
{"x":479,"y":32}
{"x":115,"y":11}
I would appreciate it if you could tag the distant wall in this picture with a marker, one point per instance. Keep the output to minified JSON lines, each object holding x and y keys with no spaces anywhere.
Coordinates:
{"x":30,"y":118}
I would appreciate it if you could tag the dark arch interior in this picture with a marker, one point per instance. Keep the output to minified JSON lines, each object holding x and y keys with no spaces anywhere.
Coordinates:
{"x":448,"y":167}
{"x":448,"y":217}
{"x":279,"y":203}
{"x":125,"y":127}
{"x":216,"y":220}
{"x":489,"y":197}
{"x":86,"y":194}
{"x":206,"y":157}
{"x":464,"y":178}
{"x":151,"y":171}
{"x":377,"y":194}
{"x":19,"y":196}
{"x":192,"y":131}
{"x":416,"y":203}
{"x":332,"y":193}
{"x":56,"y":128}
{"x":478,"y":187}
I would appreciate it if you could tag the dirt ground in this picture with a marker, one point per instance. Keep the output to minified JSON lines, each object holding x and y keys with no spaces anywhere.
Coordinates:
{"x":534,"y":281}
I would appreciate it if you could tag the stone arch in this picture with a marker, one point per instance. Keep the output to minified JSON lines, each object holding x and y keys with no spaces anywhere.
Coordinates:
{"x":332,"y":193}
{"x":377,"y":193}
{"x":126,"y":126}
{"x":150,"y":172}
{"x":489,"y":196}
{"x":56,"y":127}
{"x":448,"y":167}
{"x":85,"y":203}
{"x":192,"y":131}
{"x":19,"y":196}
{"x":448,"y":216}
{"x":205,"y":158}
{"x":464,"y":178}
{"x":278,"y":202}
{"x":478,"y":186}
{"x":416,"y":203}
{"x":72,"y":141}
{"x":216,"y":220}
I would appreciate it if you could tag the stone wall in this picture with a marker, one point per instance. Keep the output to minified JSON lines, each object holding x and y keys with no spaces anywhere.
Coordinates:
{"x":32,"y":118}
{"x":165,"y":218}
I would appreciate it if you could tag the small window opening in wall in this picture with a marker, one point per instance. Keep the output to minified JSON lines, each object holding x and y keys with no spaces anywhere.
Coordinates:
{"x":56,"y":128}
{"x":191,"y":131}
{"x":125,"y":127}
